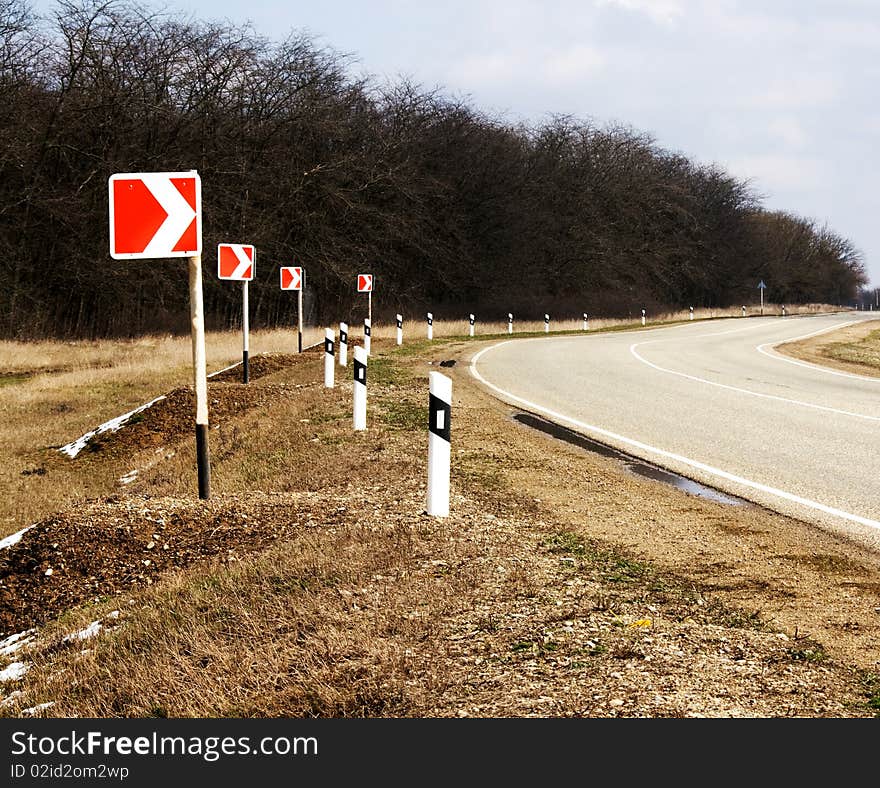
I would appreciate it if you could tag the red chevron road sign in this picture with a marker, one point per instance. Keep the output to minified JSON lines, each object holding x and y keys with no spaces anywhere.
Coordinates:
{"x":155,"y":214}
{"x":235,"y":261}
{"x":291,"y":278}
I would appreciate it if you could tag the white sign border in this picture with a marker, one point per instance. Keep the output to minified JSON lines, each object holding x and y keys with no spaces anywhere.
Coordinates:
{"x":238,"y":278}
{"x":146,"y":176}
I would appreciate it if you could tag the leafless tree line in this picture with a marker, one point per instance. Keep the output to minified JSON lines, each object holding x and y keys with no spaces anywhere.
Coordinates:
{"x":450,"y":209}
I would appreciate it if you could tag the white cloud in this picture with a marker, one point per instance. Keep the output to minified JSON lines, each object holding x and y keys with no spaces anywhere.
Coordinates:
{"x":789,"y":130}
{"x":495,"y":68}
{"x":780,"y":173}
{"x":666,"y":12}
{"x":573,"y":63}
{"x":793,"y":92}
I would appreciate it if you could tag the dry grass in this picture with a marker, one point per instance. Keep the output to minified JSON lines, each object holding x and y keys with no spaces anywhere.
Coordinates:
{"x":864,"y":352}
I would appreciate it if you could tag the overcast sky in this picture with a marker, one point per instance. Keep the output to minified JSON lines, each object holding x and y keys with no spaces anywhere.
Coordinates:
{"x":781,"y":92}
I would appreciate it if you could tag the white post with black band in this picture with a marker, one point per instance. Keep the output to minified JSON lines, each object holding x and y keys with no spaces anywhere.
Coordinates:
{"x":399,"y":329}
{"x":430,"y":326}
{"x":367,"y":336}
{"x":343,"y":344}
{"x":200,"y":376}
{"x":510,"y":322}
{"x":692,"y":313}
{"x":245,"y":369}
{"x":439,"y":415}
{"x":546,"y":323}
{"x":360,"y":388}
{"x":586,"y":322}
{"x":299,"y":313}
{"x":643,"y":317}
{"x":328,"y":358}
{"x":471,"y":320}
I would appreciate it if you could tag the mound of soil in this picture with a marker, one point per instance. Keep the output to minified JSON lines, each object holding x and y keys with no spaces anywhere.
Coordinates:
{"x":113,"y":546}
{"x":172,"y":419}
{"x":264,"y":364}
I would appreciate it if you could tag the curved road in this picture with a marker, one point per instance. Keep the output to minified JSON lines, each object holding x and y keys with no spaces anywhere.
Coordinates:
{"x":714,"y":402}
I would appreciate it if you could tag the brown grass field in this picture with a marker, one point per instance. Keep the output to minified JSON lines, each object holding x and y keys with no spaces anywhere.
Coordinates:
{"x":313,"y":583}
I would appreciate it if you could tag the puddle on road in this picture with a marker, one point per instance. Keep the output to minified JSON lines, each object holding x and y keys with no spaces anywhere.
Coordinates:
{"x":632,"y":464}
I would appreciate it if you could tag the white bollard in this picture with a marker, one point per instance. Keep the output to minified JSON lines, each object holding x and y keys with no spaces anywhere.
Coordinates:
{"x":343,"y":344}
{"x":546,"y":323}
{"x":439,"y":415}
{"x":643,"y":317}
{"x":471,"y":320}
{"x":586,"y":322}
{"x":328,"y":358}
{"x":400,"y":329}
{"x":510,"y":322}
{"x":692,"y":313}
{"x":430,"y":326}
{"x":744,"y":311}
{"x":783,"y":310}
{"x":360,"y":388}
{"x":367,"y":336}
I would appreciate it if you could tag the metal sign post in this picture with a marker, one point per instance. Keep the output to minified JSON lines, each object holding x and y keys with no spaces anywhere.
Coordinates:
{"x":293,"y":278}
{"x":245,"y":327}
{"x":761,"y":288}
{"x":299,"y":313}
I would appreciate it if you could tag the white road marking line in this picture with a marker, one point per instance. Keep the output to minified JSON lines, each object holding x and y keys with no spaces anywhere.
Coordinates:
{"x":691,"y":463}
{"x":749,"y":392}
{"x":776,"y":356}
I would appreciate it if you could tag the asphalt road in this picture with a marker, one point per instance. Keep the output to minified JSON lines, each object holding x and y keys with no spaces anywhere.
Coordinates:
{"x":713,"y":402}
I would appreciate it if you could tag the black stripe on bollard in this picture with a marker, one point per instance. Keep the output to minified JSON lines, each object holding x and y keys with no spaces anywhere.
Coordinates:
{"x":471,"y":319}
{"x":203,"y":460}
{"x":245,"y":369}
{"x":343,"y":337}
{"x":439,"y":415}
{"x":328,"y":346}
{"x":360,"y":372}
{"x":430,"y":320}
{"x":366,"y":330}
{"x":399,"y":323}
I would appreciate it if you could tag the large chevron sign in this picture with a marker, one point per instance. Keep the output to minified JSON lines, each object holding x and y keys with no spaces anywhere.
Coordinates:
{"x":155,"y":214}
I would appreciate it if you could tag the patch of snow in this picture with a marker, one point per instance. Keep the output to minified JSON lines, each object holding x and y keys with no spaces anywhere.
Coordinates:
{"x":84,"y":634}
{"x":14,"y":671}
{"x":14,"y":538}
{"x":14,"y":642}
{"x":219,"y":371}
{"x":10,"y":698}
{"x":35,"y":709}
{"x":75,"y":447}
